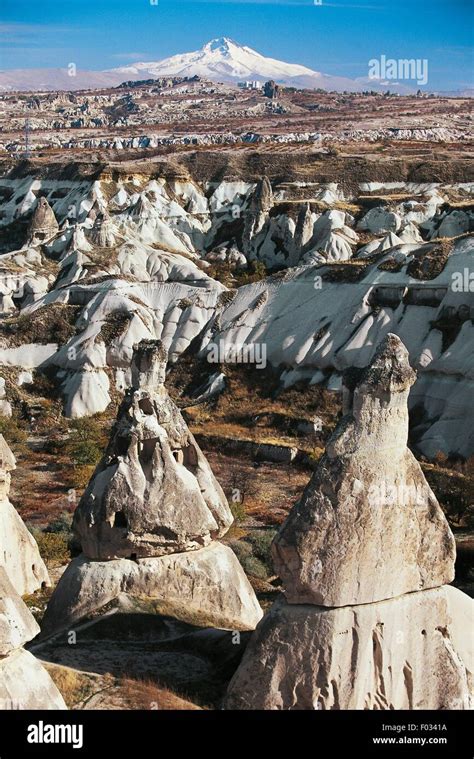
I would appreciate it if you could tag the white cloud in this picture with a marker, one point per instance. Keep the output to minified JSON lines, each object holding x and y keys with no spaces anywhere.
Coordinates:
{"x":130,"y":56}
{"x":19,"y":28}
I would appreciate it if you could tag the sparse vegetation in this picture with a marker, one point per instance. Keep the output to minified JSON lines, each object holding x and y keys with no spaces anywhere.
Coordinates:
{"x":54,"y":547}
{"x":54,"y":323}
{"x":87,"y":441}
{"x":75,"y":687}
{"x":114,"y":326}
{"x":15,"y":433}
{"x":146,"y":694}
{"x":428,"y":262}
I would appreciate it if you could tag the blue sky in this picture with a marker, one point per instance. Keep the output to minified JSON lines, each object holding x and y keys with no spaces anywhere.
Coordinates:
{"x":337,"y":37}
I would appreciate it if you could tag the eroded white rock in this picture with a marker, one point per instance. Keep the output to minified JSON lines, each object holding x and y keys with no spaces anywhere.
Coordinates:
{"x":149,"y":517}
{"x":411,"y":652}
{"x":24,"y":683}
{"x":208,"y":584}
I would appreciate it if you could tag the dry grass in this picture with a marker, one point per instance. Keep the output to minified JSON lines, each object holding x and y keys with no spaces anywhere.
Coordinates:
{"x":453,"y":489}
{"x":74,"y":686}
{"x":80,"y":688}
{"x":427,"y":263}
{"x":53,"y":323}
{"x":266,"y":491}
{"x":146,"y":694}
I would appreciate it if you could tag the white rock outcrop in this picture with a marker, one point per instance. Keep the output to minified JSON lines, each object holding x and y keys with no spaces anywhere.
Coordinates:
{"x":359,"y":535}
{"x":414,"y":652}
{"x":143,"y":246}
{"x":208,"y":584}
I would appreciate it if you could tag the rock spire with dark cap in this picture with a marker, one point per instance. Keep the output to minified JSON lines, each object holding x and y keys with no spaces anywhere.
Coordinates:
{"x":368,"y":525}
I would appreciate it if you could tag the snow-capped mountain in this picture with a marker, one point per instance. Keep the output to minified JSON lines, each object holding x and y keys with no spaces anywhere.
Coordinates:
{"x":225,"y":60}
{"x":220,"y":60}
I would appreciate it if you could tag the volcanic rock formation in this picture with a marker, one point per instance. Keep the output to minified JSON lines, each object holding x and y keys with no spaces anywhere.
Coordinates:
{"x":43,"y":223}
{"x":19,"y":552}
{"x":260,"y":203}
{"x":368,"y":621}
{"x":370,"y":489}
{"x":24,"y":683}
{"x":142,"y":247}
{"x":102,"y":233}
{"x":148,"y":520}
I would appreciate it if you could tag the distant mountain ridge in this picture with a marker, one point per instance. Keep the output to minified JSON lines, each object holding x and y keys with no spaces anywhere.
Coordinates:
{"x":221,"y":59}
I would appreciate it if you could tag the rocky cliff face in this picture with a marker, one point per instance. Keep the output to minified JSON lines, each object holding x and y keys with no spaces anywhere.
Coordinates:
{"x":149,"y":519}
{"x":361,"y":534}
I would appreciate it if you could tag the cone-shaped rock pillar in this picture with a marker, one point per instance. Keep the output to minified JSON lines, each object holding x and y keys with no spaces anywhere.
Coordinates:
{"x":43,"y":223}
{"x":149,"y":518}
{"x":367,"y":621}
{"x":368,"y":526}
{"x":153,"y":492}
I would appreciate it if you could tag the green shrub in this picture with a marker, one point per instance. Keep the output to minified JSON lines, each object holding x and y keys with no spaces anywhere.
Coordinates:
{"x":88,"y":439}
{"x":253,"y":552}
{"x":256,"y":271}
{"x":14,"y":432}
{"x":241,"y":549}
{"x":53,"y":546}
{"x":261,"y":541}
{"x":62,"y":524}
{"x":238,"y":510}
{"x":255,"y":567}
{"x":86,"y":452}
